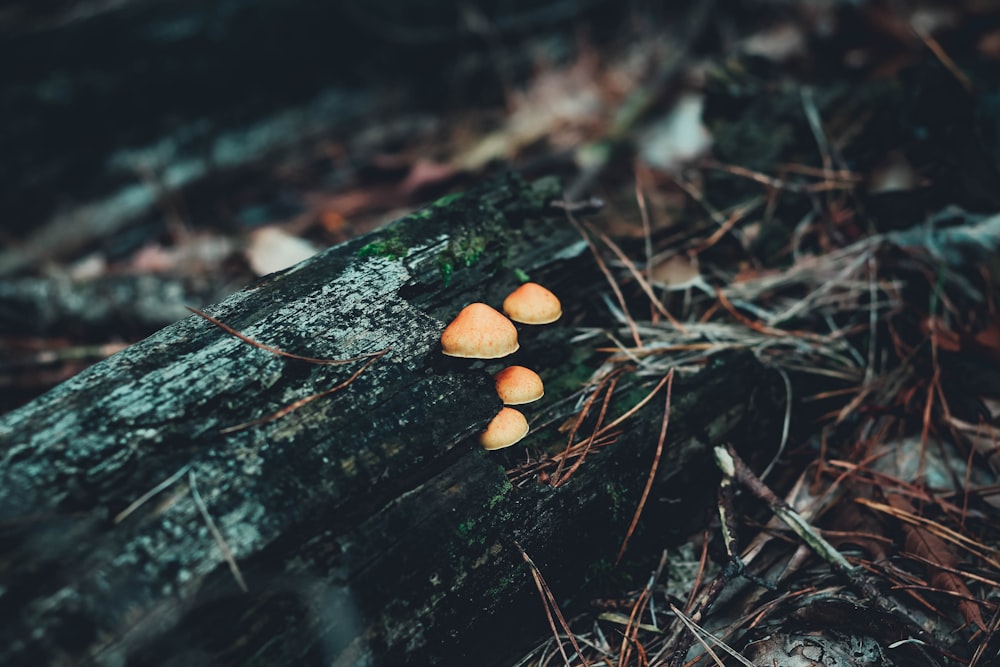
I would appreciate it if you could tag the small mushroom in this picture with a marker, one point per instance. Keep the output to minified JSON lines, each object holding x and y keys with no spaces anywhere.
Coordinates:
{"x":479,"y":332}
{"x":507,"y":428}
{"x":517,"y":385}
{"x":532,"y":304}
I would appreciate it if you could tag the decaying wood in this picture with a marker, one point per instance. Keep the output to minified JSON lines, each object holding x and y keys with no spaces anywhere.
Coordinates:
{"x":366,"y":527}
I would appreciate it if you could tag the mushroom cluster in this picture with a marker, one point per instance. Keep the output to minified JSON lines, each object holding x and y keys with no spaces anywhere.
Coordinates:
{"x":480,"y":332}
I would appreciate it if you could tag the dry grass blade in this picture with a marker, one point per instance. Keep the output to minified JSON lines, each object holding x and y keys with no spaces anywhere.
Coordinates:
{"x":607,"y":274}
{"x":980,"y":653}
{"x":701,"y":634}
{"x":933,"y":549}
{"x":652,"y":470}
{"x":647,"y":228}
{"x":639,"y":278}
{"x":943,"y":56}
{"x":602,"y":435}
{"x":552,"y":608}
{"x":947,"y":534}
{"x":630,"y":638}
{"x":607,"y":385}
{"x":539,"y":468}
{"x":144,"y":498}
{"x":780,"y":184}
{"x":635,"y":408}
{"x":746,"y":321}
{"x":727,"y":225}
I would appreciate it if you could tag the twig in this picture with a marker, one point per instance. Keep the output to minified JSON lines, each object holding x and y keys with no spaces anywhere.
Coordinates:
{"x":652,"y":469}
{"x":731,"y":464}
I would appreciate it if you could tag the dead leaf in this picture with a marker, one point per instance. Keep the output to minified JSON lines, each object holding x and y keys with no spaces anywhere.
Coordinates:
{"x":554,"y":107}
{"x":933,"y":549}
{"x":426,"y":173}
{"x":272,"y":249}
{"x":676,"y":272}
{"x":677,"y":139}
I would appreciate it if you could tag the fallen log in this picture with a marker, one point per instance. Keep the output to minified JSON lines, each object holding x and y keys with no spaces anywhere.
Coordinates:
{"x":365,"y":527}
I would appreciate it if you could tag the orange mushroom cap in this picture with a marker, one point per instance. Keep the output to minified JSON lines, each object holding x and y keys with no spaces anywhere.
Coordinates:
{"x":507,"y":428}
{"x":517,"y":385}
{"x":479,"y":332}
{"x":532,"y":304}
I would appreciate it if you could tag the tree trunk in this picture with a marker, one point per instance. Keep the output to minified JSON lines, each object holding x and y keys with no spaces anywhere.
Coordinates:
{"x":367,"y":526}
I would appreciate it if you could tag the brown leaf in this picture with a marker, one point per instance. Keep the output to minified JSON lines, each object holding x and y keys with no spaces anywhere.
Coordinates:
{"x":987,"y":341}
{"x":931,"y":548}
{"x":850,"y":525}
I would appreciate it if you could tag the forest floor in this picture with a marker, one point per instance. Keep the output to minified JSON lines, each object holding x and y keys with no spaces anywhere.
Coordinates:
{"x":818,"y":183}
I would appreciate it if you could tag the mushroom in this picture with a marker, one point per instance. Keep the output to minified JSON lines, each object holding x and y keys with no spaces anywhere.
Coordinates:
{"x":479,"y":332}
{"x":532,"y":304}
{"x":517,"y":385}
{"x":507,"y":428}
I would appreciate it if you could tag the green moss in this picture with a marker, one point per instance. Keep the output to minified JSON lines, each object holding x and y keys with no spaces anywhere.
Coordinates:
{"x":600,"y":571}
{"x":446,"y":268}
{"x":472,"y":535}
{"x":575,"y":373}
{"x":447,"y":200}
{"x":501,"y":492}
{"x":619,"y":497}
{"x":466,"y":528}
{"x":430,"y":210}
{"x":507,"y":583}
{"x":521,"y":275}
{"x":467,"y":249}
{"x":391,"y":248}
{"x":462,"y":251}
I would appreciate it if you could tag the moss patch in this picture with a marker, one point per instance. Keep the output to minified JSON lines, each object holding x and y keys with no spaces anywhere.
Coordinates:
{"x":391,"y":248}
{"x":464,"y":250}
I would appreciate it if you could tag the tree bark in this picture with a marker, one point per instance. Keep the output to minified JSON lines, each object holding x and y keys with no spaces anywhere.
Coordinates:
{"x":367,"y":526}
